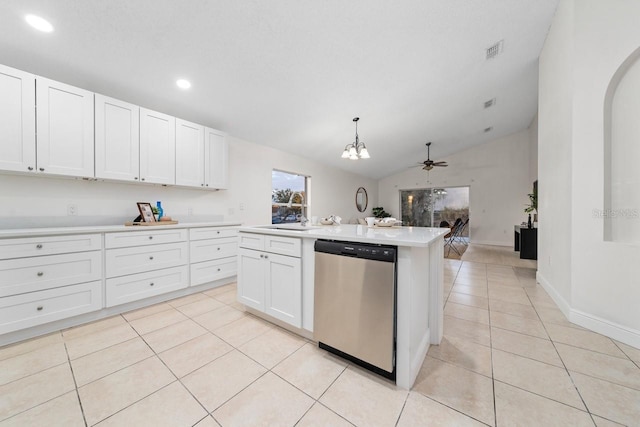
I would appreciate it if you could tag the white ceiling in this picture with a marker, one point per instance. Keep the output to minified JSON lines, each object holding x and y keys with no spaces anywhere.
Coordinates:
{"x":292,"y":74}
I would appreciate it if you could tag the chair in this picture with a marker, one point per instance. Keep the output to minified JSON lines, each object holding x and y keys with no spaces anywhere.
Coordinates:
{"x":451,"y":236}
{"x":459,"y":237}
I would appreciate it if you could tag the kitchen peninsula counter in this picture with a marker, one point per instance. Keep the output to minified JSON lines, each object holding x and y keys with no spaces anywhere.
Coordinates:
{"x":419,"y":295}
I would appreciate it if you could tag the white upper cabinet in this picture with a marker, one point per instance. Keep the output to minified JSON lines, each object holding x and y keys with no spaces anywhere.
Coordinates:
{"x":64,"y":129}
{"x":18,"y":123}
{"x":157,"y":147}
{"x":117,"y":139}
{"x":189,"y":154}
{"x":216,"y":154}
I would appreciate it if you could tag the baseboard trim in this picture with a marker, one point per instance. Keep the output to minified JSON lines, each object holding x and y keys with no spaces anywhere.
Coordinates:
{"x":562,"y":304}
{"x":597,"y":324}
{"x":606,"y":327}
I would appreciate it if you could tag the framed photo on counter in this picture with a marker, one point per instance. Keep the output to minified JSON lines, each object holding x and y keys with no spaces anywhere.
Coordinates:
{"x":146,"y":212}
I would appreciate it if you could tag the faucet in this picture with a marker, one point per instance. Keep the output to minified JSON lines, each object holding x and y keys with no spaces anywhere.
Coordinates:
{"x":303,"y":219}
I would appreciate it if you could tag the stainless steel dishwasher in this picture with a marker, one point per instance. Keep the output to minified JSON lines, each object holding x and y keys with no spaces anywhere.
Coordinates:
{"x":355,"y":303}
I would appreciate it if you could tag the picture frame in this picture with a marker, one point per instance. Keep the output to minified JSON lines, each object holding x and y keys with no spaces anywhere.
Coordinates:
{"x":146,"y":212}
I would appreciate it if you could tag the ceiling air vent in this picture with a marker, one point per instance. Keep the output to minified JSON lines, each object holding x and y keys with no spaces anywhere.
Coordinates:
{"x":489,"y":129}
{"x":494,"y":50}
{"x":490,"y":103}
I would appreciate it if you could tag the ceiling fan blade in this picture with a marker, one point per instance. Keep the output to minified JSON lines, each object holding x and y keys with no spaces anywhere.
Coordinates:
{"x":439,"y":163}
{"x":442,"y":166}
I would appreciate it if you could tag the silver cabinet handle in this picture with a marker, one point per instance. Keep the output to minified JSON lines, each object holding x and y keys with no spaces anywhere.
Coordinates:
{"x":218,"y":269}
{"x":151,"y":257}
{"x":207,"y":185}
{"x":39,"y":308}
{"x":201,"y":185}
{"x":151,"y":284}
{"x":142,"y":179}
{"x":266,"y":257}
{"x":136,"y":178}
{"x":218,"y":232}
{"x":39,"y":246}
{"x":40,"y":273}
{"x":30,"y":168}
{"x":218,"y":248}
{"x":261,"y":256}
{"x":41,"y":169}
{"x":150,"y":237}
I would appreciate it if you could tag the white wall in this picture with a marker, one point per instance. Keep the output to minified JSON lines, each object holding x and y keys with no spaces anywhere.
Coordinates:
{"x":37,"y":201}
{"x":499,"y":179}
{"x":555,"y":89}
{"x":588,"y":42}
{"x":533,"y":149}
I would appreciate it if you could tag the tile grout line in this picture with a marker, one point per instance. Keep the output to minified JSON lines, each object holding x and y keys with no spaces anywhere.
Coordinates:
{"x":75,"y":383}
{"x":563,"y":364}
{"x":493,"y":378}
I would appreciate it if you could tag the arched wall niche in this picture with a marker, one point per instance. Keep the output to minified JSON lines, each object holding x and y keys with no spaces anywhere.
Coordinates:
{"x":621,"y":214}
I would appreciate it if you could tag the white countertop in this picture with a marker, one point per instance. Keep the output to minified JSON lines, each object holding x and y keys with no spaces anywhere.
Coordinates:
{"x":32,"y":232}
{"x":397,"y":236}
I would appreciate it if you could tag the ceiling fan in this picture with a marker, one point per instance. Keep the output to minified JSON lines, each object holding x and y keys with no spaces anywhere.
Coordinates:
{"x":429,"y":164}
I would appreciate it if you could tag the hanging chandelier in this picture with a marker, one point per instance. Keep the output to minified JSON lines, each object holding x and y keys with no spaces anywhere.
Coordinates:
{"x":356,"y":150}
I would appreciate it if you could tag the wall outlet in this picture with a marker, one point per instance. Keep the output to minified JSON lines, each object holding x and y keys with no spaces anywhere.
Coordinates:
{"x":241,"y":206}
{"x":190,"y":211}
{"x":72,"y":210}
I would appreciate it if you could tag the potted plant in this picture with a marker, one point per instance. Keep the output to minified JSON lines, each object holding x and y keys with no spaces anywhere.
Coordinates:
{"x":380,"y":213}
{"x":533,"y":204}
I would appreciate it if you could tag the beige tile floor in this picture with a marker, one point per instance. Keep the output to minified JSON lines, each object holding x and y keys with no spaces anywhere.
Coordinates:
{"x":508,"y":357}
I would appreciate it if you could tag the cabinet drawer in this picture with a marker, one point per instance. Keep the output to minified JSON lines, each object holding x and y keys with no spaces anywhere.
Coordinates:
{"x":49,"y":245}
{"x":143,"y":238}
{"x":282,"y":245}
{"x":208,"y":271}
{"x":23,"y":275}
{"x":35,"y":308}
{"x":137,"y":260}
{"x":133,"y":287}
{"x":211,"y":233}
{"x":251,"y":241}
{"x":207,"y":250}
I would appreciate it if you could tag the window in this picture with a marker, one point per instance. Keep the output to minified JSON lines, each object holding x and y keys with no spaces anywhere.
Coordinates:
{"x":428,"y":207}
{"x":289,"y":197}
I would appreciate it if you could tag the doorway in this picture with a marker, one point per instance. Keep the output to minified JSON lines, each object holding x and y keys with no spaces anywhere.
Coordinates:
{"x":428,"y":207}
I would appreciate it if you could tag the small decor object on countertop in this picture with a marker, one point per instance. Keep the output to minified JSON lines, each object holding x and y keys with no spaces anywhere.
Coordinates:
{"x":160,"y":210}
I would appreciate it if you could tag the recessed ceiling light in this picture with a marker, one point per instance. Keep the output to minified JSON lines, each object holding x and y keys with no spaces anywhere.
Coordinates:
{"x":39,"y":23}
{"x":183,"y":84}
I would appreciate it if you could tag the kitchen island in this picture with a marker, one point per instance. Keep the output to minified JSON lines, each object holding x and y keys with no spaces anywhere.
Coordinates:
{"x":281,"y":258}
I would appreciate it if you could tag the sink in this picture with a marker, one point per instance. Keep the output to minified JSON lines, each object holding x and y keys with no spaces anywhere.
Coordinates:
{"x":292,"y":227}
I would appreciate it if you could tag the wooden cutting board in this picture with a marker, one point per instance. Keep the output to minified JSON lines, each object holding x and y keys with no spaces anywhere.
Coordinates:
{"x":146,"y":224}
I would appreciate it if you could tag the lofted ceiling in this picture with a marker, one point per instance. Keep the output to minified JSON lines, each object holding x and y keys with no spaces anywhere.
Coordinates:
{"x":291,"y":74}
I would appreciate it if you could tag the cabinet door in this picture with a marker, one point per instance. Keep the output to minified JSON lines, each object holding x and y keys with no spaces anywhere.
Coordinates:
{"x":216,"y":154}
{"x":64,"y":129}
{"x":18,"y":124}
{"x":251,"y":278}
{"x":189,"y":154}
{"x":157,"y":147}
{"x":117,"y":139}
{"x":283,"y":289}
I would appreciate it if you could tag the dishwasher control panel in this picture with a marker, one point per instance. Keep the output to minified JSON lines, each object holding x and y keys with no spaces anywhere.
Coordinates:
{"x":357,"y":250}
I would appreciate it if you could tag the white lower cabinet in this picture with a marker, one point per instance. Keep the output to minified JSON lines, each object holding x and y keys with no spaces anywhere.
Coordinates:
{"x":145,"y":263}
{"x":43,"y":279}
{"x":50,"y":278}
{"x":270,"y":282}
{"x":36,"y":308}
{"x":133,"y":287}
{"x":18,"y":276}
{"x":212,"y":253}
